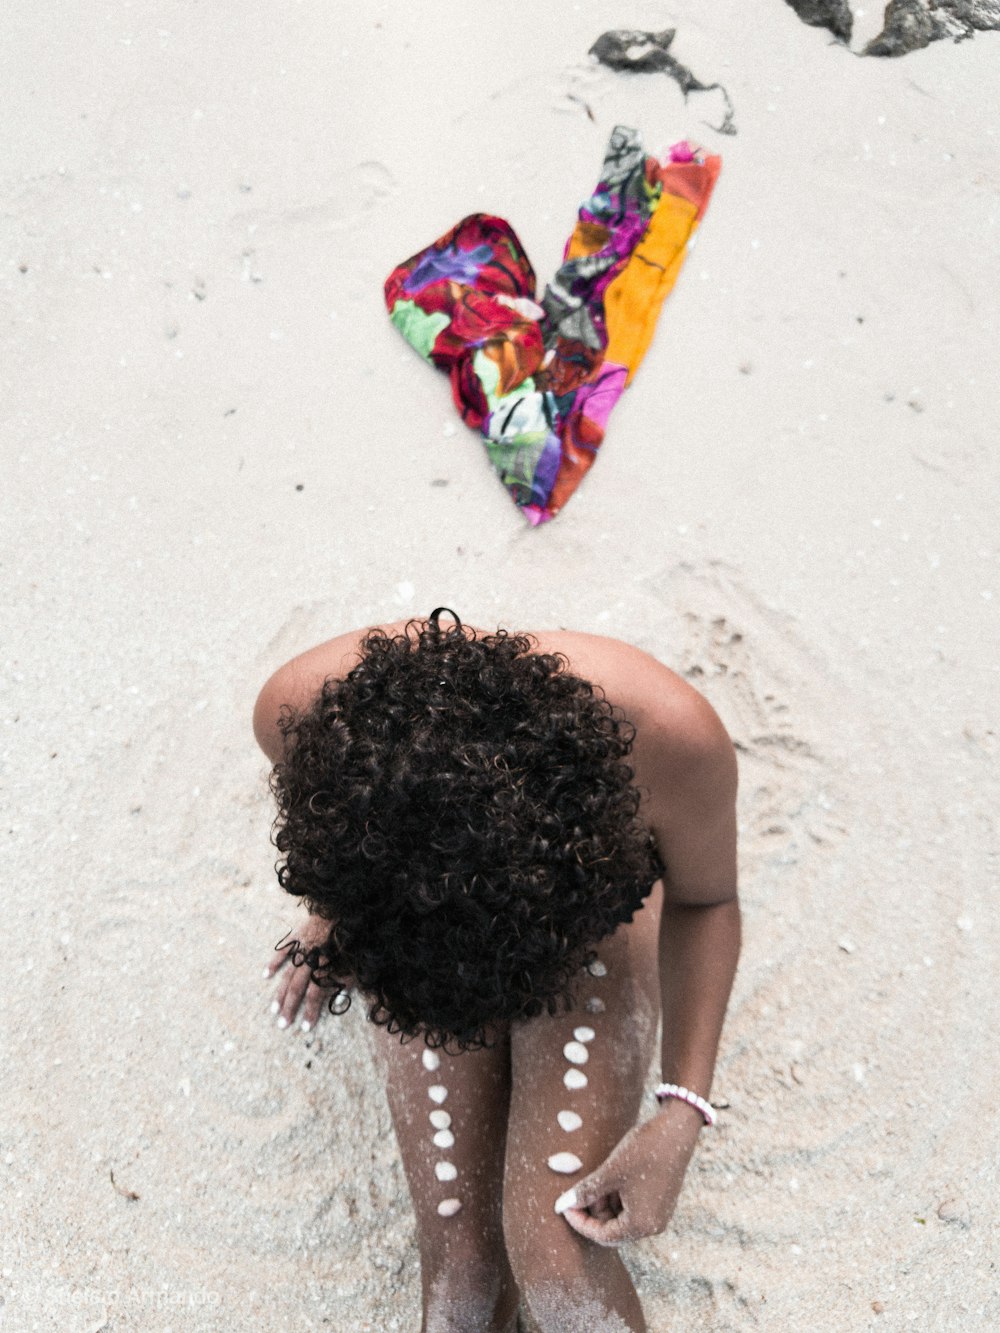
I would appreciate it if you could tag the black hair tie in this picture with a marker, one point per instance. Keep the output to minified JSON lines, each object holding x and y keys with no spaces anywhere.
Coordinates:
{"x":435,"y":616}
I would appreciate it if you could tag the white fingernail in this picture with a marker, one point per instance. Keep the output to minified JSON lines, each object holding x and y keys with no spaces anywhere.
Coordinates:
{"x":266,"y":973}
{"x":275,"y":1006}
{"x":567,"y":1200}
{"x":282,"y":1022}
{"x":305,"y":1025}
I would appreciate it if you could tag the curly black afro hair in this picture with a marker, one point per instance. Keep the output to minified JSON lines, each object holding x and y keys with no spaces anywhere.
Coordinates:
{"x":460,"y":809}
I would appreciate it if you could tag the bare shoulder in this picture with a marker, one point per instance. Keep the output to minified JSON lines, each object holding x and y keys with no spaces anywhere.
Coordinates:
{"x":671,"y":718}
{"x":297,"y":684}
{"x":683,"y":760}
{"x":675,"y":725}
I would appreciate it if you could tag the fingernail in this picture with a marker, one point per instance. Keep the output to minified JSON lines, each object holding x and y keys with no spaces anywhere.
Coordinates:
{"x":275,"y":1006}
{"x":282,"y":1022}
{"x":305,"y":1025}
{"x":266,"y":973}
{"x":567,"y":1200}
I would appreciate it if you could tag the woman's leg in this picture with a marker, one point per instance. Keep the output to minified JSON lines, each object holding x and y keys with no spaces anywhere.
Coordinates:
{"x":559,"y":1132}
{"x":450,"y":1115}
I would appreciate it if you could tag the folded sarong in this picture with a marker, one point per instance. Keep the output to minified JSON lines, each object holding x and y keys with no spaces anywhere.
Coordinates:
{"x":539,"y":381}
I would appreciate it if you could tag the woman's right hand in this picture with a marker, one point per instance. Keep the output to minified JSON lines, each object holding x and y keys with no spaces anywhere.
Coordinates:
{"x":297,"y":993}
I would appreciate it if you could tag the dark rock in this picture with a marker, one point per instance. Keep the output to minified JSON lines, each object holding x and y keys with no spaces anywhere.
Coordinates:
{"x":910,"y":25}
{"x":640,"y":52}
{"x":833,"y":14}
{"x":635,"y":52}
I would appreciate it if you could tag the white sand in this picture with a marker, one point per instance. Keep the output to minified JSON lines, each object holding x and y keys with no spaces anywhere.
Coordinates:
{"x":795,"y":507}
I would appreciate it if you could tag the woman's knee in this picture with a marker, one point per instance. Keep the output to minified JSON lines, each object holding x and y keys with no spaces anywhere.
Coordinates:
{"x":558,"y":1307}
{"x":564,"y":1279}
{"x":468,"y":1292}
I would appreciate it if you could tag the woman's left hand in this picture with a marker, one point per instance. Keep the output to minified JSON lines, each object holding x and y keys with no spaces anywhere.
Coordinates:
{"x":296,"y":989}
{"x":633,"y":1193}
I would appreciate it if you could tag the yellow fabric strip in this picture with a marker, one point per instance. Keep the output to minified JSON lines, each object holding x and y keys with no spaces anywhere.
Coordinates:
{"x":633,"y":301}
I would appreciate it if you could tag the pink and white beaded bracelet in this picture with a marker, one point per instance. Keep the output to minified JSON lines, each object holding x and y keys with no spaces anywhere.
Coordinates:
{"x":668,"y":1090}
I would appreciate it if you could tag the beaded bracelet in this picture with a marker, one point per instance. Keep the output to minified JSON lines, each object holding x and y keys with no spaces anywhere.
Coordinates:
{"x":667,"y":1090}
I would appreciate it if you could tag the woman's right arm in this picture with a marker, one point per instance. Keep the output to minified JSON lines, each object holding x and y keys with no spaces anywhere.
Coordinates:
{"x":294,"y":686}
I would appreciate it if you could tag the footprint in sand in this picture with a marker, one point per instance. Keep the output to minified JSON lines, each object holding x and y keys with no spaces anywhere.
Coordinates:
{"x":364,"y":188}
{"x":772,"y":696}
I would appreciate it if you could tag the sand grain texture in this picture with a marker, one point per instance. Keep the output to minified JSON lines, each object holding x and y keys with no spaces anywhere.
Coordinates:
{"x":217,"y":451}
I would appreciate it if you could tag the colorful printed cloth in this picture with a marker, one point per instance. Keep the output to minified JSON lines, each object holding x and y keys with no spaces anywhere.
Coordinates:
{"x":540,"y":381}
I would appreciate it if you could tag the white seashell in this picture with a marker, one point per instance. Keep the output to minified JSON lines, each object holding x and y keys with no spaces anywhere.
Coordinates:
{"x":444,"y":1138}
{"x":574,"y":1079}
{"x":449,"y":1207}
{"x":445,"y":1170}
{"x":441,"y":1120}
{"x":437,"y":1092}
{"x":431,"y":1061}
{"x":569,"y":1120}
{"x":584,"y":1034}
{"x":565,"y":1163}
{"x":597,"y":968}
{"x":576,"y":1053}
{"x":594,"y":1005}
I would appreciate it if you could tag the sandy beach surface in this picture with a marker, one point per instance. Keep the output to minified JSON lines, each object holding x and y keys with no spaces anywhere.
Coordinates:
{"x":217,"y":451}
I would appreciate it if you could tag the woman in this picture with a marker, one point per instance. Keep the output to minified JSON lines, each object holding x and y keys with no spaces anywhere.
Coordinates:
{"x":518,"y":852}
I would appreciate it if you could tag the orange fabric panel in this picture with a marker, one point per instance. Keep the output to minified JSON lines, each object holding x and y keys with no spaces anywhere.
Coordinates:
{"x":587,"y":239}
{"x":633,"y":301}
{"x":693,"y":181}
{"x":573,"y":467}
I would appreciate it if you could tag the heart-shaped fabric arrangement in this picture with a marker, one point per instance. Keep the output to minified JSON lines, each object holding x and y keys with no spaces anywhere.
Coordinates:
{"x":539,"y":380}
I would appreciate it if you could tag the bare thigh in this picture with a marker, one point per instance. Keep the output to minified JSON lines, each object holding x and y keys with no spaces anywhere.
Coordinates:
{"x":477,"y":1131}
{"x":577,"y":1086}
{"x":450,"y":1116}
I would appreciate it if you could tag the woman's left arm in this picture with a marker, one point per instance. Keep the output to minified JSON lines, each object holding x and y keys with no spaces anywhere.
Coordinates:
{"x":689,"y":770}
